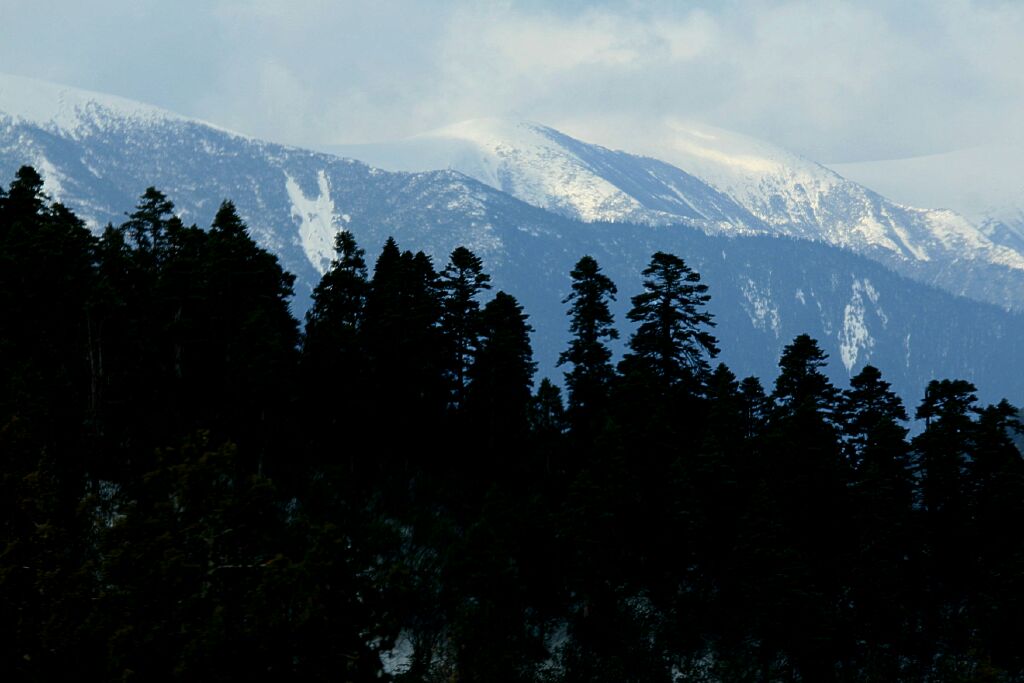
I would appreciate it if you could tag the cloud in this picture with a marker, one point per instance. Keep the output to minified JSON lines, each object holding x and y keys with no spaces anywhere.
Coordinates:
{"x":837,"y":81}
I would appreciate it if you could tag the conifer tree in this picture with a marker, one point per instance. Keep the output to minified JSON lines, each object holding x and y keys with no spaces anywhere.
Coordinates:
{"x":335,"y":318}
{"x":405,"y":350}
{"x":996,"y":490}
{"x":590,"y":377}
{"x":502,"y":376}
{"x":333,"y":354}
{"x":672,"y":342}
{"x":147,"y":227}
{"x":882,"y":589}
{"x":801,"y":384}
{"x":943,"y":448}
{"x":461,"y":283}
{"x":755,"y":406}
{"x":548,"y":413}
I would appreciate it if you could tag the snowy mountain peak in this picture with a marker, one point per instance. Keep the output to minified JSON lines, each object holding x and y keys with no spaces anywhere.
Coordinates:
{"x":73,"y":111}
{"x":548,"y":169}
{"x":712,"y":179}
{"x":737,"y":163}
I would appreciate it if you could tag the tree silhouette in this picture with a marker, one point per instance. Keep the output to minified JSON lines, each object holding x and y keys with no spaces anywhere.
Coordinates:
{"x":672,"y":342}
{"x":590,"y":378}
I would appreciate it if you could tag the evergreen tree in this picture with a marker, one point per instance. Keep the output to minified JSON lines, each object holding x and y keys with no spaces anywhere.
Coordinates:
{"x":332,"y":351}
{"x":882,"y":587}
{"x":501,"y":379}
{"x":148,"y":226}
{"x":672,"y":342}
{"x":250,"y":335}
{"x":801,"y":385}
{"x":589,"y":381}
{"x":461,"y":282}
{"x":996,"y":491}
{"x":944,"y":446}
{"x":405,"y":349}
{"x":754,"y":405}
{"x":800,"y":518}
{"x":335,"y":318}
{"x":942,"y":453}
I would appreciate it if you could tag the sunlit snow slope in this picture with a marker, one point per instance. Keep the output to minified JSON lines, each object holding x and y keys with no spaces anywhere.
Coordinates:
{"x":721,"y":182}
{"x":985,"y":184}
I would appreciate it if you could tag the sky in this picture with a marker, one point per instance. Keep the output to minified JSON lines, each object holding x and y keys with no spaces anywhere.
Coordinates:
{"x":835,"y":81}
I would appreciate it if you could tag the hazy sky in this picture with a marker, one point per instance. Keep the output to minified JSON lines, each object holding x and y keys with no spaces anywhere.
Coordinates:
{"x":837,"y":81}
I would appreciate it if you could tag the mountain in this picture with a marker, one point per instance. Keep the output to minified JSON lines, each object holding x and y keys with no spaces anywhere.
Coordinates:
{"x":720,"y":182}
{"x":553,"y":171}
{"x":97,"y":155}
{"x":985,"y":184}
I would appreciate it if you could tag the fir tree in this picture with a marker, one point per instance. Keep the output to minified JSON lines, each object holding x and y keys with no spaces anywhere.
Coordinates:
{"x":672,"y":342}
{"x":502,"y":376}
{"x":461,"y":283}
{"x":590,"y":378}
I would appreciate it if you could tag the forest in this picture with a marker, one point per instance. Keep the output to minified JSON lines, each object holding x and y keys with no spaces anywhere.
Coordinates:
{"x":197,"y":486}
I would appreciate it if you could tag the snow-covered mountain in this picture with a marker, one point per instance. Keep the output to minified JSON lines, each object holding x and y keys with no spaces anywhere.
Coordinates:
{"x":721,"y":182}
{"x":985,"y":184}
{"x":98,"y":154}
{"x":553,"y":171}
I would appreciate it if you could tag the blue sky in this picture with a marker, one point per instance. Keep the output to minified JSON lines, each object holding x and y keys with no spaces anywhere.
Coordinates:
{"x":837,"y":81}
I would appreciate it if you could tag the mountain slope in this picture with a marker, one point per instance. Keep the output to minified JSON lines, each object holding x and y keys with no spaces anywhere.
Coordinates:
{"x":985,"y":184}
{"x":100,"y":154}
{"x":720,"y":182}
{"x":553,"y":171}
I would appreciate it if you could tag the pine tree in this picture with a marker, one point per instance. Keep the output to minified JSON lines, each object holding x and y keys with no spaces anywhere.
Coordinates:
{"x":589,"y":381}
{"x":499,"y":394}
{"x":147,"y":227}
{"x":461,"y":282}
{"x":882,"y":585}
{"x":335,"y":318}
{"x":405,"y":349}
{"x":672,"y":342}
{"x":333,"y":354}
{"x":942,"y":453}
{"x":801,"y":385}
{"x":996,"y":491}
{"x":802,"y":515}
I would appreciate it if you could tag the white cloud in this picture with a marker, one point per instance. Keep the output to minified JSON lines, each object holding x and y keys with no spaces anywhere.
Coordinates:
{"x":834,"y":80}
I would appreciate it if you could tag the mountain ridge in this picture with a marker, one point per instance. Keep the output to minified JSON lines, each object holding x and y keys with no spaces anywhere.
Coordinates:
{"x":765,"y":289}
{"x":728,"y":183}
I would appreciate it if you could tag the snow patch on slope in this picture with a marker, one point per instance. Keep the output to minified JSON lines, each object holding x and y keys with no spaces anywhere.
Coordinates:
{"x":318,"y":221}
{"x":855,"y":340}
{"x":759,"y":305}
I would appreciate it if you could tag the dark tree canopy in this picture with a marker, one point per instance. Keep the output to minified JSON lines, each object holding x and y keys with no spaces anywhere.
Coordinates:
{"x":590,"y":378}
{"x":461,"y":283}
{"x":673,"y":339}
{"x":189,"y":490}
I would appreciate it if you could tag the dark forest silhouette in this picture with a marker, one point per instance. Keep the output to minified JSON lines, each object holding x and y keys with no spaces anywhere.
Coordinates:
{"x":194,"y":486}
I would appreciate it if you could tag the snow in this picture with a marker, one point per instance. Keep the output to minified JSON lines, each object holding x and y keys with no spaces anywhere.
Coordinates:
{"x":75,"y":112}
{"x":855,"y":340}
{"x":318,"y":220}
{"x":981,"y":183}
{"x":517,"y":157}
{"x":52,"y":178}
{"x":398,"y":660}
{"x":794,"y":196}
{"x":763,"y":314}
{"x":754,"y":172}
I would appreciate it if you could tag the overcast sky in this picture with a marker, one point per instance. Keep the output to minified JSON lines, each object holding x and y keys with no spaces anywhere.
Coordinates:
{"x":836,"y":81}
